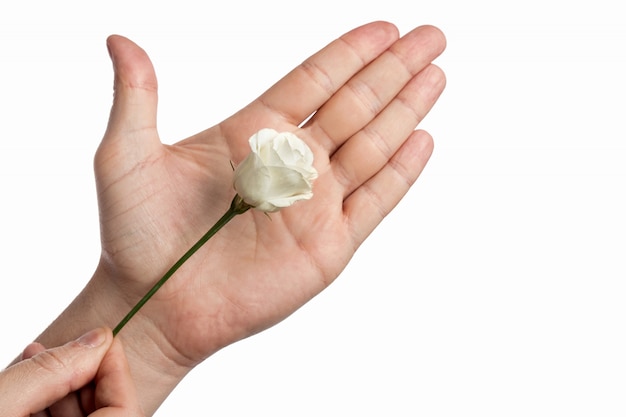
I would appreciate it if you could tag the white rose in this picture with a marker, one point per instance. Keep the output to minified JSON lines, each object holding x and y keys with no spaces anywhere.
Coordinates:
{"x":277,"y":173}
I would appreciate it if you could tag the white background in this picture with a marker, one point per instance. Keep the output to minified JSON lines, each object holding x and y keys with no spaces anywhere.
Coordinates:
{"x":496,"y":288}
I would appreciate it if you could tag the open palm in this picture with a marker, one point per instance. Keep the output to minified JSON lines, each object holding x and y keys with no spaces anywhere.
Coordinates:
{"x":367,"y":91}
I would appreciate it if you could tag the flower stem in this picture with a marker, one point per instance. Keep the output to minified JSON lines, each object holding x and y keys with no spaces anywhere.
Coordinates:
{"x":237,"y":206}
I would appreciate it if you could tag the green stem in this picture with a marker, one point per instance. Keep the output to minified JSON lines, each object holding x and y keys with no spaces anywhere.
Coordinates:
{"x":237,"y":206}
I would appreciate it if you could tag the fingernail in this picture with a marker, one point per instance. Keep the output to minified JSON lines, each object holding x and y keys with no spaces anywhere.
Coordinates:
{"x":109,"y":48}
{"x":92,"y":338}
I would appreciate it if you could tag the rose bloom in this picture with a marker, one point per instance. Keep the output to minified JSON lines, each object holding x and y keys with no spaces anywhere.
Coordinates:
{"x":277,"y":173}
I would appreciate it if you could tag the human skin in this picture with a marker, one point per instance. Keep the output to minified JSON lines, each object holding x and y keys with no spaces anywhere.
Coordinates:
{"x":369,"y":90}
{"x":45,"y":381}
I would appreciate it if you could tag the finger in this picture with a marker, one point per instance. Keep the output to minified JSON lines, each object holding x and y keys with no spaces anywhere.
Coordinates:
{"x":308,"y":86}
{"x":67,"y":406}
{"x":370,"y":149}
{"x":32,"y":349}
{"x":134,"y":112}
{"x":34,"y":384}
{"x":366,"y":207}
{"x":114,"y":385}
{"x":371,"y":90}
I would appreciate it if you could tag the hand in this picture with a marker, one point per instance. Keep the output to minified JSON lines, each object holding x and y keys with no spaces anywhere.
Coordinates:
{"x":56,"y":382}
{"x":368,"y":91}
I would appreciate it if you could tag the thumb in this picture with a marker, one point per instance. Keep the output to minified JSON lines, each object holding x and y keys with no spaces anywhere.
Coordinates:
{"x":34,"y":384}
{"x":134,"y":111}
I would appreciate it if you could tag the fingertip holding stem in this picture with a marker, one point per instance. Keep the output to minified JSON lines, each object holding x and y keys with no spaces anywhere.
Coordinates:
{"x":93,"y":338}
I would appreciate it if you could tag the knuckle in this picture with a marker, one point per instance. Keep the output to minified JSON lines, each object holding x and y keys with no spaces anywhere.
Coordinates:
{"x":49,"y":360}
